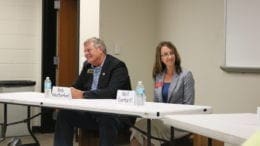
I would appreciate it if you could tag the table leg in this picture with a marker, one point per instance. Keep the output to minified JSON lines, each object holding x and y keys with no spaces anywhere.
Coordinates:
{"x":28,"y":122}
{"x":209,"y":142}
{"x":149,"y":132}
{"x":4,"y":124}
{"x":172,"y":142}
{"x":29,"y":126}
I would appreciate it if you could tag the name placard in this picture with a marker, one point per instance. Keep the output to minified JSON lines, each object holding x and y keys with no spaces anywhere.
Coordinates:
{"x":63,"y":92}
{"x":125,"y":96}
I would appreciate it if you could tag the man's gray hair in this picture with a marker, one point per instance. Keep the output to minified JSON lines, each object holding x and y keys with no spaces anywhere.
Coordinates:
{"x":98,"y":43}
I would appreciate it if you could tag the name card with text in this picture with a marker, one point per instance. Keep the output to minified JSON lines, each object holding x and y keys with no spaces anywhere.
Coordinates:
{"x":125,"y":96}
{"x":61,"y":92}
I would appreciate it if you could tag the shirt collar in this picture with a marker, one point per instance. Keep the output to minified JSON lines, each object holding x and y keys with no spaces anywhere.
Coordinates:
{"x":92,"y":66}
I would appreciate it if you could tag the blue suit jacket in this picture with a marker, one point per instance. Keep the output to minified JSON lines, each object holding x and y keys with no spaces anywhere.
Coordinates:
{"x":181,"y":90}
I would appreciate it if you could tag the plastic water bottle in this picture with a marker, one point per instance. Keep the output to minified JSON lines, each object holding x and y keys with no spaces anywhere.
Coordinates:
{"x":140,"y":94}
{"x":47,"y":87}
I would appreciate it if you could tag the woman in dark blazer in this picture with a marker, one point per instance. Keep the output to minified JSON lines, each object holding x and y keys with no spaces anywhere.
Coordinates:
{"x":172,"y":85}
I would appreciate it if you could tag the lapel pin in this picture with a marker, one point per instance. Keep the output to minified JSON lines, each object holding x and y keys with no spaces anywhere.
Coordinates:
{"x":90,"y":71}
{"x":103,"y":74}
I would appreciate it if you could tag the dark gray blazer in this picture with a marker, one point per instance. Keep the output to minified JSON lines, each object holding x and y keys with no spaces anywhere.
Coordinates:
{"x":181,"y":90}
{"x":113,"y":76}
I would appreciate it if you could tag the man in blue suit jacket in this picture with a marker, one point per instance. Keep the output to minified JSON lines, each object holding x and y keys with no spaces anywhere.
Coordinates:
{"x":102,"y":75}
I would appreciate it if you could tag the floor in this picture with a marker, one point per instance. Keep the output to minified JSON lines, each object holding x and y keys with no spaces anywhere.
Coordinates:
{"x":45,"y":140}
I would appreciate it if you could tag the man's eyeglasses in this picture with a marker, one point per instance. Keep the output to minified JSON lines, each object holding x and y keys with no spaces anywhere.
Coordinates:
{"x":167,"y":54}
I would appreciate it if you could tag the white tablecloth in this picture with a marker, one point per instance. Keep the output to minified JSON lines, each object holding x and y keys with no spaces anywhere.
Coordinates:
{"x":230,"y":128}
{"x":150,"y":110}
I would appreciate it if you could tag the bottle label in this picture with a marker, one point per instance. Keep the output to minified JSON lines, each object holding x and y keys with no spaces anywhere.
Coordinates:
{"x":47,"y":86}
{"x":140,"y":91}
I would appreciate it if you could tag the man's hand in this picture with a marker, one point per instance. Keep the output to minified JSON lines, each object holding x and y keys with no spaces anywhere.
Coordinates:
{"x":76,"y":94}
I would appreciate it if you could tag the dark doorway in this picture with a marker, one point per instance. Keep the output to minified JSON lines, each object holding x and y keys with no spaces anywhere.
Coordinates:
{"x":59,"y":48}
